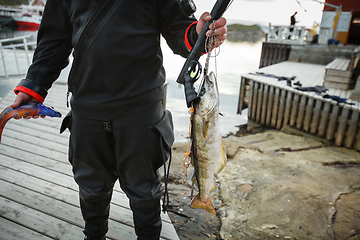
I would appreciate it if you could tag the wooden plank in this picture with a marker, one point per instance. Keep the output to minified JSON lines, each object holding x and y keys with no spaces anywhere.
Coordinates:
{"x":332,"y":123}
{"x":259,"y":102}
{"x":254,"y":102}
{"x":264,"y":104}
{"x":37,"y":137}
{"x":38,"y":221}
{"x":14,"y":155}
{"x":333,"y":74}
{"x":301,"y":113}
{"x":242,"y":93}
{"x":57,"y":193}
{"x":269,"y":106}
{"x":341,"y":64}
{"x":251,"y":94}
{"x":324,"y":119}
{"x":281,"y":109}
{"x":33,"y":148}
{"x":294,"y":109}
{"x":289,"y":97}
{"x":340,"y":133}
{"x":68,"y":212}
{"x":10,"y":230}
{"x":351,"y":133}
{"x":275,"y":107}
{"x":316,"y":117}
{"x":357,"y":142}
{"x":308,"y":114}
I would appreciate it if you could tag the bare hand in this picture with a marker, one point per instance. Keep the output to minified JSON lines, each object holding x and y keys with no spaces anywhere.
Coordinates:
{"x":24,"y":98}
{"x":219,"y":30}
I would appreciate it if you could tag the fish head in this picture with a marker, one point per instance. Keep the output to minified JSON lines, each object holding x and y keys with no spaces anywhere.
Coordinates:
{"x":209,"y":95}
{"x":36,"y":108}
{"x":48,"y":111}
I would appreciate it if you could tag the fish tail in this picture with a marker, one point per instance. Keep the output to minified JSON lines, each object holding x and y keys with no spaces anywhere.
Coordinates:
{"x":5,"y":116}
{"x":197,"y":203}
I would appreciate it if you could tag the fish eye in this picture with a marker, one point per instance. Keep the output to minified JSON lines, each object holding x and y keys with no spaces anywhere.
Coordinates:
{"x":202,"y":92}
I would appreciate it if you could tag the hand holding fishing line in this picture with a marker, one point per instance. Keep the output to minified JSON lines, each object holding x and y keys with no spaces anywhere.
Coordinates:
{"x":24,"y":98}
{"x":217,"y":28}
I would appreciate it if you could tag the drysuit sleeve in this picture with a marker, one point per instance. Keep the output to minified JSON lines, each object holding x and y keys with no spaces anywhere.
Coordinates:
{"x":178,"y":29}
{"x":52,"y":51}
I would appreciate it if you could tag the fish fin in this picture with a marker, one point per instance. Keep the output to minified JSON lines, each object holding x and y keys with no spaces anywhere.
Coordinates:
{"x":197,"y":203}
{"x":5,"y":116}
{"x":213,"y":187}
{"x":193,"y":179}
{"x":222,"y":158}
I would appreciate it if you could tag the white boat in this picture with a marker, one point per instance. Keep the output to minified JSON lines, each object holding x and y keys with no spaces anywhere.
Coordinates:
{"x":31,"y":15}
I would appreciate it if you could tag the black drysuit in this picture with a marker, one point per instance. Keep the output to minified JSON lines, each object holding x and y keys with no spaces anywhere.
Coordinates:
{"x":119,"y":128}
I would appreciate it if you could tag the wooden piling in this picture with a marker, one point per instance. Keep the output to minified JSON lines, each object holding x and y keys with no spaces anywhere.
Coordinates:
{"x":274,"y":104}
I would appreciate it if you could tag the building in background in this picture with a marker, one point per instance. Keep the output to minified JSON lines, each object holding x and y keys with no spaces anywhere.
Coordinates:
{"x":342,"y":17}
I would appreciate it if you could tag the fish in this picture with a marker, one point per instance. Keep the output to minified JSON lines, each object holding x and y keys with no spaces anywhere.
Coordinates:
{"x":24,"y":110}
{"x":208,"y":155}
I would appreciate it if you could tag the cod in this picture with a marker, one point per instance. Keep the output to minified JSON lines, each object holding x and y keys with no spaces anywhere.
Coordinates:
{"x":207,"y":150}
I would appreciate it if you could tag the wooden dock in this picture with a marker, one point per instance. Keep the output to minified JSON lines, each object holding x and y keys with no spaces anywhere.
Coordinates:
{"x":38,"y":196}
{"x":274,"y":104}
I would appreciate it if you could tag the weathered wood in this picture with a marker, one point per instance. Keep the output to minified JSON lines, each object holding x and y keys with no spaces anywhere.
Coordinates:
{"x":281,"y":111}
{"x":275,"y":107}
{"x":289,"y":98}
{"x":308,"y":114}
{"x":316,"y":117}
{"x":10,"y":230}
{"x":353,"y":128}
{"x":294,"y":109}
{"x":332,"y":124}
{"x":241,"y":95}
{"x":301,"y":113}
{"x":272,"y":53}
{"x":340,"y":64}
{"x":269,"y":106}
{"x":338,"y":74}
{"x":259,"y":103}
{"x":254,"y":102}
{"x":264,"y":104}
{"x":324,"y":119}
{"x":251,"y":94}
{"x":357,"y":142}
{"x":38,"y":221}
{"x":336,"y":85}
{"x":340,"y":133}
{"x":307,"y":111}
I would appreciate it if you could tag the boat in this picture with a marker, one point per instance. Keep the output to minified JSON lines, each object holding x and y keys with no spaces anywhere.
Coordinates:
{"x":30,"y":16}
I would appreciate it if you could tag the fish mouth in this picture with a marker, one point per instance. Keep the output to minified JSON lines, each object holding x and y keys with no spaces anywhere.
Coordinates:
{"x":206,"y":85}
{"x":208,"y":94}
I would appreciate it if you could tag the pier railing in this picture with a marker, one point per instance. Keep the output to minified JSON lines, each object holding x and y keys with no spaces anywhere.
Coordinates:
{"x":15,"y":55}
{"x":287,"y":34}
{"x":296,"y":35}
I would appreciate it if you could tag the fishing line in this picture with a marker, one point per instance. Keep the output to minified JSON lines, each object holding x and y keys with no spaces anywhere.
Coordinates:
{"x":229,"y":4}
{"x":301,"y":5}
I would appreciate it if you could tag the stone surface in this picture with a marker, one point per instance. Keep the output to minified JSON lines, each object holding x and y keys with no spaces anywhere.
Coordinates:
{"x":274,"y":186}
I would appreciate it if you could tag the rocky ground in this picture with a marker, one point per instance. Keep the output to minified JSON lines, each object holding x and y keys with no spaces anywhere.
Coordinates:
{"x":276,"y":185}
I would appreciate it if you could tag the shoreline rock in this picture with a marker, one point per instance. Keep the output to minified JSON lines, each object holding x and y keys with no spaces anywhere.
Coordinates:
{"x":275,"y":186}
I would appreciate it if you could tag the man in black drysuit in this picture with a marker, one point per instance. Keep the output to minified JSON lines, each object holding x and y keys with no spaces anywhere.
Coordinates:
{"x":119,"y":128}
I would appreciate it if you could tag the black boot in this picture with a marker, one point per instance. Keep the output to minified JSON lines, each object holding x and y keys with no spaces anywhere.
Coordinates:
{"x":147,"y":219}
